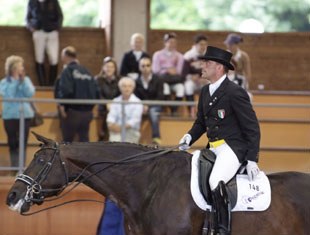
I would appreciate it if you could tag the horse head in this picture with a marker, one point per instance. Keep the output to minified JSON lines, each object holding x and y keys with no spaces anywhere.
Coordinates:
{"x":33,"y":185}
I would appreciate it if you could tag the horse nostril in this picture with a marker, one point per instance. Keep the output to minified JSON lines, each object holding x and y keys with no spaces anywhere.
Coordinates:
{"x":11,"y":198}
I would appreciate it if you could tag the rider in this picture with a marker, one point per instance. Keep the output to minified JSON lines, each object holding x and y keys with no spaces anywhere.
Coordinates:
{"x":227,"y":116}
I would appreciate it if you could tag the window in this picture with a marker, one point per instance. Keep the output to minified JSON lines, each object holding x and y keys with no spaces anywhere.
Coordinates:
{"x":235,"y":15}
{"x":77,"y":13}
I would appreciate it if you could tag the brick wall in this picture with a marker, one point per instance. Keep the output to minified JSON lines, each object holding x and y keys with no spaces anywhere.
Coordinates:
{"x":89,"y":42}
{"x":280,"y":61}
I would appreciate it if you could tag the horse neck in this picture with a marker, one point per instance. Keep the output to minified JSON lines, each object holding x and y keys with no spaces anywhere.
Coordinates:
{"x":110,"y":178}
{"x":129,"y":184}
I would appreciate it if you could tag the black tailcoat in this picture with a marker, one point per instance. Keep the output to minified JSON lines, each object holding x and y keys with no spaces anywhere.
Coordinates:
{"x":229,"y":115}
{"x":130,"y":64}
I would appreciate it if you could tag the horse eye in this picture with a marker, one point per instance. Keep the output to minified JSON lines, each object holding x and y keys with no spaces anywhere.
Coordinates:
{"x":40,"y":160}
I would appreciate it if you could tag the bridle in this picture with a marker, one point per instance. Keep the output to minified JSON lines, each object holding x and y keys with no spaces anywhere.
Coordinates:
{"x":35,"y":191}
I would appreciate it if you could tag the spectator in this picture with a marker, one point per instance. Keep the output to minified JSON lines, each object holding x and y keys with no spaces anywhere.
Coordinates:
{"x":150,"y":87}
{"x":16,"y":85}
{"x":133,"y":113}
{"x":76,"y":83}
{"x":107,"y":81}
{"x":168,"y":63}
{"x":44,"y":19}
{"x":192,"y":69}
{"x":241,"y":60}
{"x":112,"y":219}
{"x":130,"y":61}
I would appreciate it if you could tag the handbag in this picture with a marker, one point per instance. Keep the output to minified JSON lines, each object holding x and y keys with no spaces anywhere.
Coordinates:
{"x":37,"y":119}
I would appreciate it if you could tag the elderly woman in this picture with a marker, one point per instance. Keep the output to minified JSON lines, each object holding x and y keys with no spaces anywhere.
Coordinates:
{"x":16,"y":85}
{"x":130,"y":60}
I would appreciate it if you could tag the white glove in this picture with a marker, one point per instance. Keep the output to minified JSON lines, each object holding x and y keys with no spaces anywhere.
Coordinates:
{"x":252,"y":170}
{"x":184,"y":142}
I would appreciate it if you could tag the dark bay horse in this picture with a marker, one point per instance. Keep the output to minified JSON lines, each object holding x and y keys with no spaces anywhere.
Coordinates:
{"x":153,"y":190}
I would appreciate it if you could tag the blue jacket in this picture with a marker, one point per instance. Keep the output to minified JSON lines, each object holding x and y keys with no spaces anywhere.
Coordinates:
{"x":11,"y":88}
{"x":76,"y":82}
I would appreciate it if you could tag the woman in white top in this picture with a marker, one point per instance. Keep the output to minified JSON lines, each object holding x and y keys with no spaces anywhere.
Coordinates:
{"x":133,"y":114}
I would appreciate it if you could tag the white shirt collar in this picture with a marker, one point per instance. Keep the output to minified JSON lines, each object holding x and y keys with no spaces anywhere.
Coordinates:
{"x":213,"y":86}
{"x":137,"y":54}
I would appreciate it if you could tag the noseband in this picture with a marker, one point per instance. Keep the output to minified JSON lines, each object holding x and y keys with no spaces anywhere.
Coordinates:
{"x":34,"y":191}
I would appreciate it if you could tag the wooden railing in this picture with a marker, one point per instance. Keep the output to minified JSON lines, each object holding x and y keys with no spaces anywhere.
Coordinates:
{"x":284,"y":121}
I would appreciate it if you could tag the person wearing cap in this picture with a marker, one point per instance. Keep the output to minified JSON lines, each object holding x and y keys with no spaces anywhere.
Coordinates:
{"x":226,"y":115}
{"x":107,"y":81}
{"x":168,"y":64}
{"x":241,"y":60}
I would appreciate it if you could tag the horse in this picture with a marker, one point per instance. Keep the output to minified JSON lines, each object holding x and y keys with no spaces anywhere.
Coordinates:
{"x":152,"y":187}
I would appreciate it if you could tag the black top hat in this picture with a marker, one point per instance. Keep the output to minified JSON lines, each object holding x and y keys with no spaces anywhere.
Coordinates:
{"x":219,"y":55}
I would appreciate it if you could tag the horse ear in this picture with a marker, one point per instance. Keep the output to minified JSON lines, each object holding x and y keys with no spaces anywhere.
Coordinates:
{"x":42,"y":139}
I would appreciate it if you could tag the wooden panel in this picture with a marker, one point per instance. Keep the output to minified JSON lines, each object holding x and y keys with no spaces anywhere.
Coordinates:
{"x":283,"y":113}
{"x":281,"y":98}
{"x":51,"y":129}
{"x":64,"y":220}
{"x":285,"y":135}
{"x":276,"y":161}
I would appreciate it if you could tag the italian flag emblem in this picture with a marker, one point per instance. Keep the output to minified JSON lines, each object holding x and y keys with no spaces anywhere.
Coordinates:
{"x":221,"y":113}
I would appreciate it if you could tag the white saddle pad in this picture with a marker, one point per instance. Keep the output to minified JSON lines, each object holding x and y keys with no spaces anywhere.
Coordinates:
{"x":252,"y":195}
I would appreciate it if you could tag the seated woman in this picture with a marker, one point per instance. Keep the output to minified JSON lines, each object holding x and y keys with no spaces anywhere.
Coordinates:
{"x":107,"y":81}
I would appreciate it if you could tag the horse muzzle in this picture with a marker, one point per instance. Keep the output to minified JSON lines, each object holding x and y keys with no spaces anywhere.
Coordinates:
{"x":17,"y":204}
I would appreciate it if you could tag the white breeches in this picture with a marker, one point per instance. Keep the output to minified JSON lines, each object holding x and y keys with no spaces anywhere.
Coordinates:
{"x":225,"y":167}
{"x":178,"y":88}
{"x":46,"y":42}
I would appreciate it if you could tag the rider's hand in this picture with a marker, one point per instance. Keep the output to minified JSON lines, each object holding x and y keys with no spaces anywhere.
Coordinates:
{"x":184,"y":142}
{"x":252,"y":170}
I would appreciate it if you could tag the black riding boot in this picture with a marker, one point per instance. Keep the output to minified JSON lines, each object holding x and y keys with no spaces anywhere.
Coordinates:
{"x":222,"y":208}
{"x":52,"y":75}
{"x":40,"y":69}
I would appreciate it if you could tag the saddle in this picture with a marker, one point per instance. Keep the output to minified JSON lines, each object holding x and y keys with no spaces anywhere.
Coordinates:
{"x":206,"y":162}
{"x":237,"y":193}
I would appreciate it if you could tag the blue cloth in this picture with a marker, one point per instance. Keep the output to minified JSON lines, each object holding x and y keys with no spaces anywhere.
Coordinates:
{"x":154,"y":113}
{"x":112,"y":220}
{"x":12,"y":88}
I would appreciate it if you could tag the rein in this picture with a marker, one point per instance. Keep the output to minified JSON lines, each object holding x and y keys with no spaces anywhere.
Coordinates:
{"x":34,"y":187}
